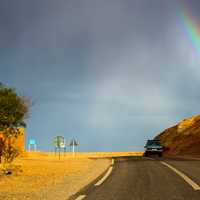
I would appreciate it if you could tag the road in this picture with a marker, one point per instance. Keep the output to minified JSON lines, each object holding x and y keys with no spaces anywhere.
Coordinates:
{"x":138,"y":178}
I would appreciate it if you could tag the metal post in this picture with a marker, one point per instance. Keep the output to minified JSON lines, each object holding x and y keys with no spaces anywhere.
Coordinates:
{"x":73,"y":148}
{"x":64,"y":151}
{"x":59,"y":153}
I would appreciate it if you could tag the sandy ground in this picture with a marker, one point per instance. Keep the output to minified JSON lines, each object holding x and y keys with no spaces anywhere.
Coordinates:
{"x":43,"y":176}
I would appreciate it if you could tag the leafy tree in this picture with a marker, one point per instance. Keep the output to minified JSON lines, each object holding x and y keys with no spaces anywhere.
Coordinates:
{"x":13,"y":112}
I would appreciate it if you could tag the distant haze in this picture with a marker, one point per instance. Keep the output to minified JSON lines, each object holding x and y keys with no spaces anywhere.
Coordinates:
{"x":110,"y":73}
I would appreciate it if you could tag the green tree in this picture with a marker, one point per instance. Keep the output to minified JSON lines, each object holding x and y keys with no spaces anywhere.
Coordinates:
{"x":13,"y":112}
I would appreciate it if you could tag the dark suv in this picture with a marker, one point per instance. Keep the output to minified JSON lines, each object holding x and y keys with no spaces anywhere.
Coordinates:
{"x":153,"y":147}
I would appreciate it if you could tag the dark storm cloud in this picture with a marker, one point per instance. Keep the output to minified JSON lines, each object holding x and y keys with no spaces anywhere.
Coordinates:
{"x":99,"y":69}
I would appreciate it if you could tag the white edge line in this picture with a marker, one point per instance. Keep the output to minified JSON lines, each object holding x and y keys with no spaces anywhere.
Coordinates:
{"x":80,"y":197}
{"x":100,"y":181}
{"x":194,"y":185}
{"x":105,"y":177}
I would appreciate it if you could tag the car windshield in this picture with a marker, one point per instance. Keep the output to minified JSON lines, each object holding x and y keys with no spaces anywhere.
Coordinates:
{"x":153,"y":142}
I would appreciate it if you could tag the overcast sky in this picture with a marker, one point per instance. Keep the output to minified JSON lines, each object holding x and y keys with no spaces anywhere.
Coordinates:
{"x":110,"y":73}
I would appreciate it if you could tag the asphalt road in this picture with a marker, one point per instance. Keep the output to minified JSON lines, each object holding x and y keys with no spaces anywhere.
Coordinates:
{"x":138,"y":178}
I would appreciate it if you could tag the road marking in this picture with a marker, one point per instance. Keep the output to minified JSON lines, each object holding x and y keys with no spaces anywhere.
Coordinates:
{"x":148,"y":158}
{"x":80,"y":197}
{"x":112,"y":163}
{"x":105,"y":177}
{"x":194,"y":185}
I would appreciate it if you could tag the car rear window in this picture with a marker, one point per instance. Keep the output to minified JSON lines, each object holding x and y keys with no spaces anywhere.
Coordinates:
{"x":153,"y":142}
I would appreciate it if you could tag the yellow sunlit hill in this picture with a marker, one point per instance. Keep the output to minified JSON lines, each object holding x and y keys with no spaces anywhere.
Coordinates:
{"x":183,"y":138}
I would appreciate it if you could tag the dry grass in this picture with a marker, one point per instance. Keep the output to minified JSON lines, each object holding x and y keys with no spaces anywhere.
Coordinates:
{"x":43,"y":176}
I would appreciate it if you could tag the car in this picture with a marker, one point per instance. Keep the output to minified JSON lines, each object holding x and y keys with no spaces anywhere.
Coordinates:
{"x":153,"y":147}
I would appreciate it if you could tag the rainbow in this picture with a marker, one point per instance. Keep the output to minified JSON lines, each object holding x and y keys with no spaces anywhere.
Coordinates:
{"x":191,"y":26}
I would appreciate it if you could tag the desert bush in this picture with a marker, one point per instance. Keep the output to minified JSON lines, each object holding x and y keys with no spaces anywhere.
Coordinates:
{"x":9,"y":153}
{"x":13,"y":112}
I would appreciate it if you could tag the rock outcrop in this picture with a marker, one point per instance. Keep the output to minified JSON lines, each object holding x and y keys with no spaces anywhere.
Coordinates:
{"x":183,"y":138}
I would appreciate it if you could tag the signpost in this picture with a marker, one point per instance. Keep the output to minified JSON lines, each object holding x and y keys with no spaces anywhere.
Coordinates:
{"x":59,"y":143}
{"x":32,"y":143}
{"x":72,"y":144}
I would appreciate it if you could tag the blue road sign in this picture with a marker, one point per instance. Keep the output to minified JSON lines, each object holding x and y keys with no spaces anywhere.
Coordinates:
{"x":32,"y":141}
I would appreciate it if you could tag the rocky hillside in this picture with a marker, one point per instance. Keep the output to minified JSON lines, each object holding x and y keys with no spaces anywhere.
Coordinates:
{"x":183,"y":138}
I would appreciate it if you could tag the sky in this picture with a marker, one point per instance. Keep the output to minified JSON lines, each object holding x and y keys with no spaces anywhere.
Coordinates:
{"x":109,"y":73}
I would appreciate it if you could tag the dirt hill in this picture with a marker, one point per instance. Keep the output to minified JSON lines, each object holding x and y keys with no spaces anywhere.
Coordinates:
{"x":183,"y":138}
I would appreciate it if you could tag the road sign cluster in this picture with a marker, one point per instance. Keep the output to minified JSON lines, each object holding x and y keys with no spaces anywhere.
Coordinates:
{"x":61,"y":144}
